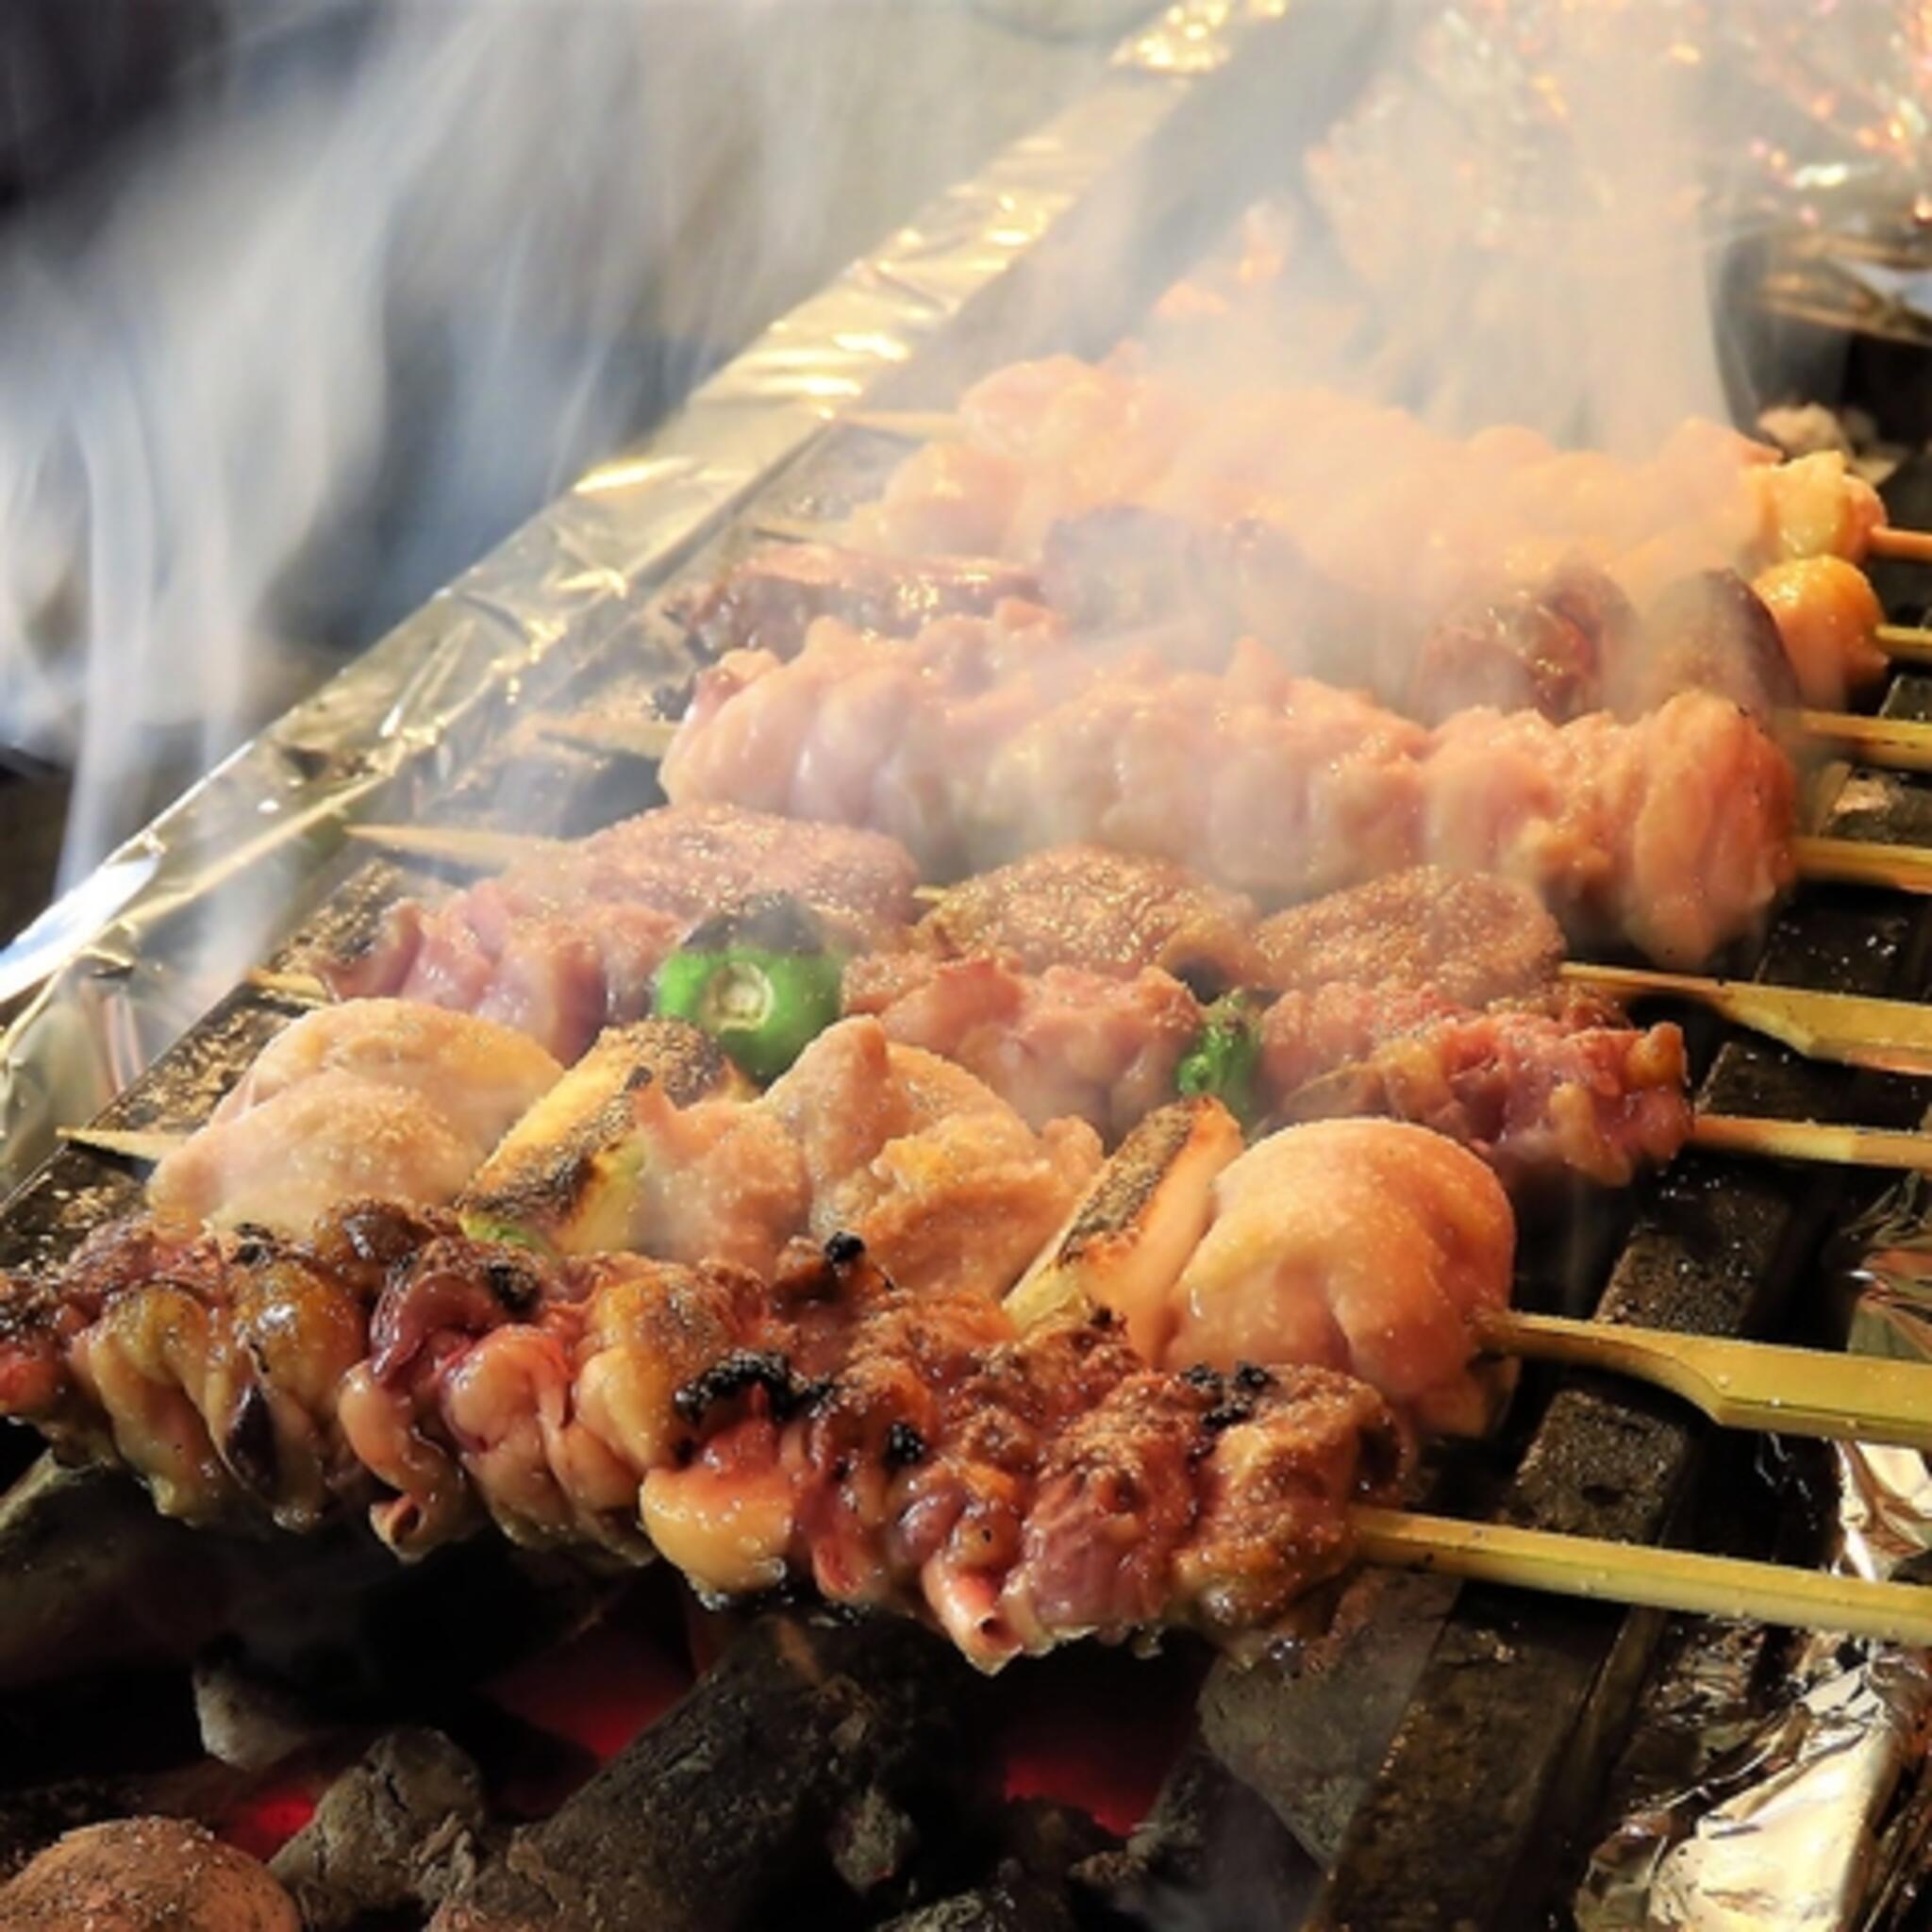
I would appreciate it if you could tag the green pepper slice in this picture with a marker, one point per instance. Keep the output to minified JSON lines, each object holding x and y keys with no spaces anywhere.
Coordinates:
{"x":1225,"y":1057}
{"x":760,"y":982}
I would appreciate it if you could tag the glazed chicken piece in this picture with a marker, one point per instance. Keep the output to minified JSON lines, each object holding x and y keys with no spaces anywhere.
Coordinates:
{"x":1060,"y":1043}
{"x":945,"y":1184}
{"x":1671,"y":832}
{"x":1101,"y":912}
{"x":376,"y":1096}
{"x":210,"y":1364}
{"x":561,"y":947}
{"x":1470,"y":938}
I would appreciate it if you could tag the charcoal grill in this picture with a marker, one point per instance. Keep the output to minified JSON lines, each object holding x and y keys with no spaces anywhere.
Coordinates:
{"x":1431,"y":1764}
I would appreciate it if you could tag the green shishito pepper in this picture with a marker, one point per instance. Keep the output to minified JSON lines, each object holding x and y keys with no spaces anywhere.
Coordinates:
{"x":1226,"y":1057}
{"x":759,"y":980}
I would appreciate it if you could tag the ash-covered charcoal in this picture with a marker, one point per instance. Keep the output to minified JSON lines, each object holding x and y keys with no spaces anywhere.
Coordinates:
{"x":1211,"y":1852}
{"x":146,"y":1875}
{"x":1013,"y":1902}
{"x":398,"y":1828}
{"x":245,"y":1719}
{"x":811,"y":1755}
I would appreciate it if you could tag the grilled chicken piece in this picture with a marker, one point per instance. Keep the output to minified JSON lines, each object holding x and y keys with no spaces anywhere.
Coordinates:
{"x":374,"y":1096}
{"x":944,"y":1183}
{"x":1366,"y":1245}
{"x":1467,"y":936}
{"x":1827,"y":616}
{"x":211,"y":1364}
{"x":563,"y":946}
{"x":1063,"y":1042}
{"x":1566,"y":1086}
{"x":1103,"y":911}
{"x":768,"y":600}
{"x":977,"y":741}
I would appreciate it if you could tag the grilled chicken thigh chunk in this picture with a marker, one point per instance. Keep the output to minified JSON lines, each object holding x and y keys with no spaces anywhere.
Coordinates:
{"x":371,"y":1097}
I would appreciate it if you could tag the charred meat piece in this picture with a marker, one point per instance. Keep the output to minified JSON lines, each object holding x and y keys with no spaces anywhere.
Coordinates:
{"x":1101,"y":911}
{"x":768,"y":600}
{"x":563,"y":946}
{"x":373,"y":1097}
{"x":977,"y":742}
{"x":1536,"y":1091}
{"x":1468,"y":937}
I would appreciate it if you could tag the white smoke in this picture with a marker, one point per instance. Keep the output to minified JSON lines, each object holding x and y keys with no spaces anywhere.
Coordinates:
{"x":504,"y":226}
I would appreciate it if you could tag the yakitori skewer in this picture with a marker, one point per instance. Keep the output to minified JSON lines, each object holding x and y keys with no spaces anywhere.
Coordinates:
{"x":638,"y":738}
{"x":1891,"y":1036}
{"x":1887,"y":745}
{"x":1680,"y":1580}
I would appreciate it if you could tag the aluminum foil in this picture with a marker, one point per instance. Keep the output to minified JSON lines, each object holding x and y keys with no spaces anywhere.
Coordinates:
{"x":124,"y":962}
{"x":1816,"y":1817}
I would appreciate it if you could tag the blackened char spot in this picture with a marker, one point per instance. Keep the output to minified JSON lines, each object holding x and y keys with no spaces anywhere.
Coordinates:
{"x":743,"y":1368}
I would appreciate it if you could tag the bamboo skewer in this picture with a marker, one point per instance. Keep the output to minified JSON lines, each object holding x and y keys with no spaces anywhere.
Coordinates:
{"x":1887,"y":744}
{"x":464,"y":845}
{"x":1739,"y":1385}
{"x":914,"y":425}
{"x":638,"y":738}
{"x":123,"y":1144}
{"x":1820,"y":1144}
{"x":1859,"y":862}
{"x":1912,"y":546}
{"x":1683,"y":1580}
{"x":305,"y":989}
{"x":1903,"y":644}
{"x":1893,"y":1036}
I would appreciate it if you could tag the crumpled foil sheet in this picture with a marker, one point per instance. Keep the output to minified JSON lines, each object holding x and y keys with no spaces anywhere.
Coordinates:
{"x":124,"y":962}
{"x":1818,"y":1817}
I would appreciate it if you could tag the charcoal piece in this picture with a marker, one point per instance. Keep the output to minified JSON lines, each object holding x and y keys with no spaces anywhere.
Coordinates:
{"x":144,"y":1874}
{"x":1307,"y":1730}
{"x":725,"y":1812}
{"x":397,"y":1828}
{"x":1211,"y":1854}
{"x":1013,"y":1903}
{"x":246,"y":1720}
